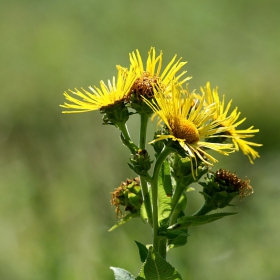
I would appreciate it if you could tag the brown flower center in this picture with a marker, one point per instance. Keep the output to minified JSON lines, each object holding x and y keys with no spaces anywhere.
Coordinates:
{"x":185,"y":129}
{"x":144,"y":86}
{"x":242,"y":186}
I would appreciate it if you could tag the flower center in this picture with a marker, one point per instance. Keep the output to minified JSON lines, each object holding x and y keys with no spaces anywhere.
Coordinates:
{"x":185,"y":129}
{"x":144,"y":86}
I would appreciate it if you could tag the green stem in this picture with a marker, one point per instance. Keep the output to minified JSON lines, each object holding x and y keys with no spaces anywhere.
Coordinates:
{"x":123,"y":128}
{"x":161,"y":158}
{"x":177,"y":195}
{"x":143,"y":130}
{"x":142,"y":145}
{"x":125,"y":137}
{"x":162,"y":247}
{"x":174,"y":216}
{"x":174,"y":203}
{"x":154,"y":185}
{"x":146,"y":199}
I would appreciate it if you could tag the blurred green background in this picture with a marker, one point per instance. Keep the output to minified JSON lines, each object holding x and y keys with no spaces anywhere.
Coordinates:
{"x":57,"y":171}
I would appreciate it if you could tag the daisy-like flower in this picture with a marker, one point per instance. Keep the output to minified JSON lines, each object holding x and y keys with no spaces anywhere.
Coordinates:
{"x":103,"y":97}
{"x":189,"y":123}
{"x":152,"y":74}
{"x":237,"y":135}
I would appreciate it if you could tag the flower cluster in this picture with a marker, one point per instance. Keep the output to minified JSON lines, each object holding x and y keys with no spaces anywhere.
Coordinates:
{"x":191,"y":126}
{"x":192,"y":123}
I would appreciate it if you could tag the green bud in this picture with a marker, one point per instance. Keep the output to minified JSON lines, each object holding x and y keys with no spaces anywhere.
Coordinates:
{"x":141,"y":162}
{"x":181,"y":170}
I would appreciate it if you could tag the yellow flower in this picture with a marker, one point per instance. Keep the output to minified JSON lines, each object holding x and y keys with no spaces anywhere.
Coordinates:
{"x":232,"y":122}
{"x":152,"y":74}
{"x":100,"y":98}
{"x":189,"y":123}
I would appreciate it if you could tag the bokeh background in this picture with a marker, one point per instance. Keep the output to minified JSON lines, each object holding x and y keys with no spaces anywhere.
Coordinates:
{"x":57,"y":171}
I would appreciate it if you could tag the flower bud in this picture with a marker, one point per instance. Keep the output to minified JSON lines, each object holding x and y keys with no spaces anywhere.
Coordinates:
{"x":181,"y":169}
{"x":141,"y":162}
{"x":221,"y":187}
{"x":129,"y":195}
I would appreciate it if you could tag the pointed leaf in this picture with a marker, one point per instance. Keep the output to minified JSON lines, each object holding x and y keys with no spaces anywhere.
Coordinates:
{"x":124,"y":220}
{"x":122,"y":274}
{"x":190,"y":221}
{"x":157,"y":268}
{"x":143,"y":251}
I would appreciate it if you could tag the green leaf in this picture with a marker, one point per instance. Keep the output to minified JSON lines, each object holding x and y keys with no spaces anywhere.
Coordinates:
{"x":157,"y":268}
{"x":124,"y":220}
{"x":122,"y":274}
{"x":177,"y":238}
{"x":191,"y":221}
{"x":146,"y":208}
{"x":143,"y":251}
{"x":164,"y":192}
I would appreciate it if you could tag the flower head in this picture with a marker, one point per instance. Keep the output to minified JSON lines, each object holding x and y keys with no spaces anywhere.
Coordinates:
{"x":100,"y":98}
{"x":128,"y":194}
{"x":230,"y":179}
{"x":221,"y":187}
{"x":189,"y":123}
{"x":231,"y":121}
{"x":153,"y":75}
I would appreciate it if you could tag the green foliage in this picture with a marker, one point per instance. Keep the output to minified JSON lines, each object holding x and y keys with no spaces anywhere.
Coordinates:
{"x":177,"y":238}
{"x":191,"y":221}
{"x":164,"y":192}
{"x":122,"y":274}
{"x":141,"y":162}
{"x":181,"y":170}
{"x":146,"y":208}
{"x":143,"y":251}
{"x":124,"y":220}
{"x":156,"y":268}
